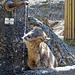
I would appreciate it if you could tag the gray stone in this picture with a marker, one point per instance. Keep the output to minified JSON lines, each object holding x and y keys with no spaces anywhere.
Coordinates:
{"x":68,"y":70}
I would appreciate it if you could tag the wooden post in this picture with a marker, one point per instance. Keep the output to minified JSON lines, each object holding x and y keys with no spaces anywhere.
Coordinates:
{"x":69,"y":32}
{"x":73,"y":21}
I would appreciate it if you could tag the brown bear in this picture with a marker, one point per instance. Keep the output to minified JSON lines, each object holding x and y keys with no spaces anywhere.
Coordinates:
{"x":39,"y":54}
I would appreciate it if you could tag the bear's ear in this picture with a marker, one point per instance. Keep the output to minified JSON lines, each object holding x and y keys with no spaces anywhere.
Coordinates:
{"x":48,"y":39}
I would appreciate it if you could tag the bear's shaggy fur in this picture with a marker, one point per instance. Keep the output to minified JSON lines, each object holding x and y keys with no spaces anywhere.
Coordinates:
{"x":39,"y":54}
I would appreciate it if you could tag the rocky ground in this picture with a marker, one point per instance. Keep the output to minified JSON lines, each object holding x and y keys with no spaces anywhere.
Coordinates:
{"x":51,"y":13}
{"x":68,"y":70}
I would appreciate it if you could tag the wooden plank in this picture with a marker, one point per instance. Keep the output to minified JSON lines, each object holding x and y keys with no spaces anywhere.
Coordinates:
{"x":65,"y":29}
{"x":65,"y":22}
{"x":69,"y":32}
{"x":73,"y":19}
{"x":70,"y":19}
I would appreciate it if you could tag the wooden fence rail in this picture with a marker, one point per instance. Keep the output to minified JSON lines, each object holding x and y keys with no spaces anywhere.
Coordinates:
{"x":69,"y":32}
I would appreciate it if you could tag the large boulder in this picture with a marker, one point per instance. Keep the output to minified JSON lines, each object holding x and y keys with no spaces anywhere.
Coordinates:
{"x":57,"y":46}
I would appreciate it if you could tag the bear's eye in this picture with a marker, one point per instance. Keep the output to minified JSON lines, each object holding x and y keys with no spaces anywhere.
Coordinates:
{"x":41,"y":39}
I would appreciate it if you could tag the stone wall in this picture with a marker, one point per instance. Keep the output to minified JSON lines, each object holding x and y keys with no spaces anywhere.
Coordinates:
{"x":13,"y":53}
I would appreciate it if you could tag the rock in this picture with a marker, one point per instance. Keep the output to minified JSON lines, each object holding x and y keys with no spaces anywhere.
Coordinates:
{"x":56,"y":44}
{"x":55,"y":49}
{"x":62,"y":62}
{"x":68,"y":70}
